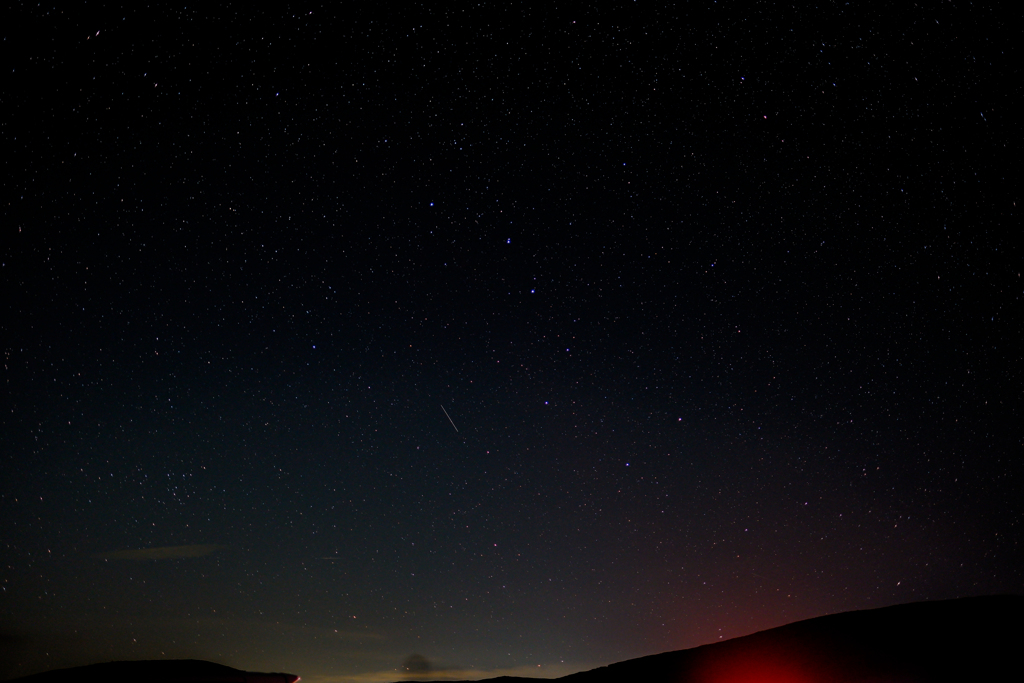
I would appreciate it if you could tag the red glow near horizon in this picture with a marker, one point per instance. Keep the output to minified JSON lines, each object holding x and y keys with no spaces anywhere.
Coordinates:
{"x":758,"y":669}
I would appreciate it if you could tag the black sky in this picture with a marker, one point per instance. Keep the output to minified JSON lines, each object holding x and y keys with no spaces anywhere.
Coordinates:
{"x":723,"y":300}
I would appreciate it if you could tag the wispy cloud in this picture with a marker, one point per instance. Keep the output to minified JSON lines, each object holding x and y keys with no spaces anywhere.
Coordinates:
{"x":167,"y":552}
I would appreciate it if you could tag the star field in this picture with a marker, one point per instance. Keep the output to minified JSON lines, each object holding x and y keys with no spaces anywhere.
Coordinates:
{"x":523,"y":340}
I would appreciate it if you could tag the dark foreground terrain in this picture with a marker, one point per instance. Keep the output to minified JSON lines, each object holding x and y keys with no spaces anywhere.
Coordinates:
{"x":156,"y":671}
{"x":971,"y":639}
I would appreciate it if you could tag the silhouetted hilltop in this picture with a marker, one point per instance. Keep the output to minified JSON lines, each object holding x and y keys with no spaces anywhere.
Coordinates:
{"x":970,"y":639}
{"x":156,"y":671}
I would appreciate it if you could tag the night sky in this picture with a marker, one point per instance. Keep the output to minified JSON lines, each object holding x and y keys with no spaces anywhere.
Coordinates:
{"x":521,"y":340}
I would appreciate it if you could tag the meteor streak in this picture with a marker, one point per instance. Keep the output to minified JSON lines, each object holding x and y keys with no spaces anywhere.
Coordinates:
{"x":449,"y":418}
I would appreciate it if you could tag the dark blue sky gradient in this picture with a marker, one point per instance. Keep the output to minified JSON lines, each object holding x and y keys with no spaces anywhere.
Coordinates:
{"x":725,"y":305}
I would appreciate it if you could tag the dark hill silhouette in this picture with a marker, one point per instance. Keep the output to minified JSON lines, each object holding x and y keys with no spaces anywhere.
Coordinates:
{"x":156,"y":671}
{"x":969,"y":639}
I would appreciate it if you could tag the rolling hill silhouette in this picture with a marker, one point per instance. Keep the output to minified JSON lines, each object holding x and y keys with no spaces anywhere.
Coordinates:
{"x":156,"y":671}
{"x":968,"y":639}
{"x":963,"y":640}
